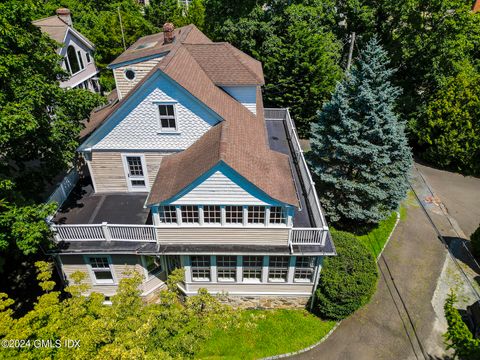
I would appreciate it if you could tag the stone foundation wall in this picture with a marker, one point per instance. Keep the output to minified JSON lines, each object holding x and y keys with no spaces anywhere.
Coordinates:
{"x":265,"y":302}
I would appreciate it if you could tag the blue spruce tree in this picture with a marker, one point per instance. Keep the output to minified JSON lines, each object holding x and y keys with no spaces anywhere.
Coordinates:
{"x":360,"y":153}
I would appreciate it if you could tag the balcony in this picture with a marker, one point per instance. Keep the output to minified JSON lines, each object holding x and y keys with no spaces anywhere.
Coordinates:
{"x":120,"y":223}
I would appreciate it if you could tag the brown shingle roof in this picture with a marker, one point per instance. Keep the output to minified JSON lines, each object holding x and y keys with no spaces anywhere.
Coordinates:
{"x":240,"y":140}
{"x":225,"y":66}
{"x":151,"y":45}
{"x":55,"y":27}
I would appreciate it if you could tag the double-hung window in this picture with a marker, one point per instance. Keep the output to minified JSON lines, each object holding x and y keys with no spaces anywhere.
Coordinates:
{"x":168,"y":214}
{"x":226,"y":268}
{"x":101,"y":269}
{"x":234,"y":214}
{"x":252,"y":268}
{"x":189,"y":214}
{"x":277,"y":215}
{"x":304,"y":268}
{"x":200,"y":266}
{"x":278,"y":268}
{"x":167,"y":117}
{"x":211,"y":214}
{"x":256,"y":214}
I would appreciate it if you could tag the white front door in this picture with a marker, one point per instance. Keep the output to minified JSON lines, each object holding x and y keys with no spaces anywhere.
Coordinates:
{"x":135,"y":172}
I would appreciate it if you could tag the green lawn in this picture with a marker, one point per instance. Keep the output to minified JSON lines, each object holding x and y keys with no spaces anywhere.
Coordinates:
{"x":262,"y":333}
{"x":376,"y":238}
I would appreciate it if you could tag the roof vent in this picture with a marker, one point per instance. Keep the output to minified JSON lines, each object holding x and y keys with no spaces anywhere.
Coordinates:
{"x":168,"y":35}
{"x":64,"y":14}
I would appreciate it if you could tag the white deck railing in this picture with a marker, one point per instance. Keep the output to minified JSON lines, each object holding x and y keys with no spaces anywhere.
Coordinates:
{"x":105,"y":232}
{"x":61,"y":192}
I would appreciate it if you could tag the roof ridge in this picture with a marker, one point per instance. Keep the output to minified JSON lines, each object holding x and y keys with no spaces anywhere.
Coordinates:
{"x":235,"y":53}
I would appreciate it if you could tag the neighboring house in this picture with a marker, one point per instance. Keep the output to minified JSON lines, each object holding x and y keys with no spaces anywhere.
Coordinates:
{"x":187,"y":169}
{"x":76,"y":50}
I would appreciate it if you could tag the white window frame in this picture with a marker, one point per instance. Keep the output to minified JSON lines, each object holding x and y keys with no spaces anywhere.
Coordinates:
{"x":272,"y":268}
{"x":161,"y":211}
{"x":126,"y":169}
{"x":187,"y":209}
{"x":262,"y":210}
{"x":303,"y":268}
{"x":175,"y":117}
{"x":252,"y":280}
{"x":192,"y":268}
{"x":233,"y":224}
{"x":229,"y":267}
{"x":91,"y":271}
{"x":77,"y":51}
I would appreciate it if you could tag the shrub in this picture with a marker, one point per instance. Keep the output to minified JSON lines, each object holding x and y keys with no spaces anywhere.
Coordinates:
{"x":458,"y":337}
{"x":347,"y":281}
{"x":475,"y":242}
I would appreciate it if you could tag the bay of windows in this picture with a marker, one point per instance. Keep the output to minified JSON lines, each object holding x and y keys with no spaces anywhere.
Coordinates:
{"x":253,"y":269}
{"x":224,"y":215}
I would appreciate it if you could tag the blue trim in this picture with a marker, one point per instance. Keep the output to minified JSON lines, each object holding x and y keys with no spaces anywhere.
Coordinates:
{"x":232,"y":175}
{"x":132,"y":101}
{"x":134,"y":61}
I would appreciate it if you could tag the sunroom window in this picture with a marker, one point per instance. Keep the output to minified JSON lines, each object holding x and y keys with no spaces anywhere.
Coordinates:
{"x":278,"y":268}
{"x":200,"y":268}
{"x":233,"y":214}
{"x":252,"y":268}
{"x":211,"y":214}
{"x":189,"y":214}
{"x":153,"y":264}
{"x":277,"y":215}
{"x":256,"y":214}
{"x":168,"y":214}
{"x":304,"y":268}
{"x":226,"y":268}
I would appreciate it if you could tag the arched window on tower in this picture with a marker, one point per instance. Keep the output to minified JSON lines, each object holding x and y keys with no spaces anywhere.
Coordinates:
{"x":73,"y":60}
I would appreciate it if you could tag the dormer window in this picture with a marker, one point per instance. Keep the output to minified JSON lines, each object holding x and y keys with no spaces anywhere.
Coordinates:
{"x":167,"y":117}
{"x":74,"y":60}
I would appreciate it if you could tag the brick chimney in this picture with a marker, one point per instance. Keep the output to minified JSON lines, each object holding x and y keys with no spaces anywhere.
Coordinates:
{"x":168,"y":35}
{"x":64,"y":14}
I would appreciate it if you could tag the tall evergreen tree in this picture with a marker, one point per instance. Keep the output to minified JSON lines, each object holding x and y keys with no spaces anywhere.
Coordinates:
{"x":360,"y":153}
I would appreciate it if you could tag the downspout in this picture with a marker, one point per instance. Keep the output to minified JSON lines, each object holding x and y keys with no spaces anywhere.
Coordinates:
{"x":318,"y":268}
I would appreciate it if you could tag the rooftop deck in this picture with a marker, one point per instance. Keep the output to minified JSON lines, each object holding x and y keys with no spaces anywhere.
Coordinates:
{"x":83,"y":206}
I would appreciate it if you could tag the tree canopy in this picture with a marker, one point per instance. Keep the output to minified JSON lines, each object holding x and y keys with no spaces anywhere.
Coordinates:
{"x":360,"y":154}
{"x":39,"y":125}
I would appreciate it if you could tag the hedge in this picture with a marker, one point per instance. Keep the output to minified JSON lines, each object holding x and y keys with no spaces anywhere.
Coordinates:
{"x":348,"y":280}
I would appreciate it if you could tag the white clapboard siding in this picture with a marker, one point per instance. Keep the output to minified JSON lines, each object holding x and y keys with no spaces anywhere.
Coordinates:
{"x":223,"y":235}
{"x":218,"y":189}
{"x":108,"y":172}
{"x":141,"y":69}
{"x":246,"y":95}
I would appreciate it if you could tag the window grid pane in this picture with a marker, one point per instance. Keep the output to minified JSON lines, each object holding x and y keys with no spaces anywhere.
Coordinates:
{"x":168,"y":214}
{"x":256,"y":214}
{"x":211,"y":214}
{"x":99,"y":263}
{"x":189,"y":213}
{"x":226,"y":268}
{"x":167,"y":117}
{"x":234,"y":214}
{"x":304,"y":268}
{"x":252,"y":267}
{"x":200,"y":268}
{"x":277,"y":215}
{"x":278,"y":268}
{"x":135,"y":165}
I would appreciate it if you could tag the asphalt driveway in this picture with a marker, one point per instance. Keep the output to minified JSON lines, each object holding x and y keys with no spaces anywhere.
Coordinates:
{"x":400,"y":322}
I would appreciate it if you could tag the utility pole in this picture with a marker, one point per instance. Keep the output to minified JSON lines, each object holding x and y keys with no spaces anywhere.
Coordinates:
{"x":350,"y":52}
{"x":121,"y":28}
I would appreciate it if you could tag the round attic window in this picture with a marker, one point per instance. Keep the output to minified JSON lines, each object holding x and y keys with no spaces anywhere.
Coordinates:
{"x":130,"y":74}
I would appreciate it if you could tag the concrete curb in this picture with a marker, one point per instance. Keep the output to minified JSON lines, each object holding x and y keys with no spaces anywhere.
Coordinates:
{"x":304,"y":349}
{"x":338,"y":323}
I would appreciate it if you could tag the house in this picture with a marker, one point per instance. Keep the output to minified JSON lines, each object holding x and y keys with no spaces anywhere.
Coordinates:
{"x":76,"y":50}
{"x":187,"y":169}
